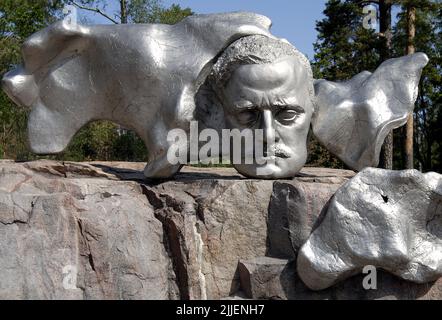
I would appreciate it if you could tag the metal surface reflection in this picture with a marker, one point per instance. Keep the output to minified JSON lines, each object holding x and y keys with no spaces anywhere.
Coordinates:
{"x":223,"y":70}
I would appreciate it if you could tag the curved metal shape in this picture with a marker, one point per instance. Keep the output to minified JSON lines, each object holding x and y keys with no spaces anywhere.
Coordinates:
{"x":388,"y":219}
{"x":143,"y":77}
{"x":353,"y":118}
{"x":153,"y":78}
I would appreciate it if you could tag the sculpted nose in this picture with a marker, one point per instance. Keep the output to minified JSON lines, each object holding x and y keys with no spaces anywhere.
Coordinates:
{"x":270,"y":136}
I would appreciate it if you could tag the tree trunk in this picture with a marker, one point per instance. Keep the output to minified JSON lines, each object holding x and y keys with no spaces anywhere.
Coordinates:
{"x":409,"y":129}
{"x":386,"y":159}
{"x":123,"y":11}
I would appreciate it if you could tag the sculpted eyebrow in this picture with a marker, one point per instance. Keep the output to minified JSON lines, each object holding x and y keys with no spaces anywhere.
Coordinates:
{"x":283,"y":104}
{"x":297,"y":108}
{"x":244,"y":105}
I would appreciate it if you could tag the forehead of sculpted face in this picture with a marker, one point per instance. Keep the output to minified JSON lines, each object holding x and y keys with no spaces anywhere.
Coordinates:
{"x":283,"y":84}
{"x":261,"y":71}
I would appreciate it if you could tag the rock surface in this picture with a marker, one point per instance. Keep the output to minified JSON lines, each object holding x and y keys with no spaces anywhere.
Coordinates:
{"x":101,"y":231}
{"x":269,"y":279}
{"x":69,"y":231}
{"x":388,"y":219}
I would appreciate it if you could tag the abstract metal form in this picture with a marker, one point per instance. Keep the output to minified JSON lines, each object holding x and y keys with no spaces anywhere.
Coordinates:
{"x":154,"y":78}
{"x":354,"y":117}
{"x":226,"y":71}
{"x":143,"y":77}
{"x":388,"y":219}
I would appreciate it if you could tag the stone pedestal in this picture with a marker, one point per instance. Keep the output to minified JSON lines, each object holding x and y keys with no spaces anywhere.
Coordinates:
{"x":101,"y":231}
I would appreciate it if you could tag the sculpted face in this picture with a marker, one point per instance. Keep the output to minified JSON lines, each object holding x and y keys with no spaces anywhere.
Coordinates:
{"x":274,"y":97}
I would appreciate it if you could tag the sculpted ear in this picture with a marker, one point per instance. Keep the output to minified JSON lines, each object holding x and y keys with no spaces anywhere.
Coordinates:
{"x":353,"y":118}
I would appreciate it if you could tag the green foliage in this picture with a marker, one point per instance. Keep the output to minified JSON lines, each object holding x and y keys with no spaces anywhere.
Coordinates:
{"x":21,"y":18}
{"x":428,"y":112}
{"x":102,"y":140}
{"x":174,"y":14}
{"x":129,"y":147}
{"x":152,"y":11}
{"x":144,"y":11}
{"x":318,"y":156}
{"x":18,"y":20}
{"x":93,"y":142}
{"x":344,"y":48}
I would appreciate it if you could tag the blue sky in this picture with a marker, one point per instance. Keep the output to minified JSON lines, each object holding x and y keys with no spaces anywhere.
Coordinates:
{"x":293,"y":20}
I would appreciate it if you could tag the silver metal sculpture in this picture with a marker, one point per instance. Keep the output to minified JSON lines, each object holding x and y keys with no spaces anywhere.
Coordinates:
{"x":354,"y":117}
{"x":223,"y":70}
{"x":267,"y":84}
{"x":143,"y":77}
{"x":226,"y":71}
{"x":387,"y":219}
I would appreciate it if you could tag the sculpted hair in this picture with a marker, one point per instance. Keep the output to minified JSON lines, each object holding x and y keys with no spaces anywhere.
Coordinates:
{"x":256,"y":49}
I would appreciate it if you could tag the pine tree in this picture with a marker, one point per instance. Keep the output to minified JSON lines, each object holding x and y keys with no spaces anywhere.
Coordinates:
{"x":343,"y":49}
{"x":428,"y":111}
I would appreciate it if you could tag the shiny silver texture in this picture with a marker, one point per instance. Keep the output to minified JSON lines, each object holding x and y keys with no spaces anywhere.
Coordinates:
{"x":143,"y":77}
{"x":388,"y":219}
{"x":353,"y":118}
{"x":153,"y":78}
{"x":267,"y":84}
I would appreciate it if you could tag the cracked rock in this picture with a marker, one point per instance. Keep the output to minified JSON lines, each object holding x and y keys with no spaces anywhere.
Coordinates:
{"x":79,"y":237}
{"x":267,"y":278}
{"x":295,"y":209}
{"x":388,"y":219}
{"x":100,"y":230}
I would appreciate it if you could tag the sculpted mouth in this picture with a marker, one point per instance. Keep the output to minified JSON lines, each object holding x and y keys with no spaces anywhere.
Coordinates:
{"x":277,"y":153}
{"x":282,"y":155}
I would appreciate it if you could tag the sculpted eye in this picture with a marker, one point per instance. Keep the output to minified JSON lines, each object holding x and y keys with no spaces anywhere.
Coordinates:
{"x":288,"y":114}
{"x":248,"y":117}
